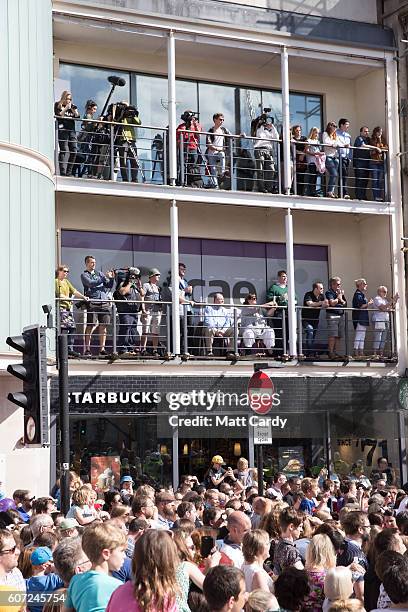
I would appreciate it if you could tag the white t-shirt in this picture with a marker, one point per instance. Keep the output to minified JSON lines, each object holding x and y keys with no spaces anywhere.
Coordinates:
{"x":233,"y":553}
{"x":380,"y":315}
{"x":250,"y":570}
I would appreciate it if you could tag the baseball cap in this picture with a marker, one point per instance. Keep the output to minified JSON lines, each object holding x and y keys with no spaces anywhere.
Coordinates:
{"x":68,"y":523}
{"x":126,"y":479}
{"x":153,"y":272}
{"x":218,"y":459}
{"x":41,"y":555}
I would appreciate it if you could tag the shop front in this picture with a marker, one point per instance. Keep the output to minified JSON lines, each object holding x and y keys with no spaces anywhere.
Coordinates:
{"x":158,"y":428}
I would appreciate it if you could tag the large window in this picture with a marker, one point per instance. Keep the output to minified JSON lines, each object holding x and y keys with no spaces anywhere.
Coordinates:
{"x":149,"y":93}
{"x":89,"y":83}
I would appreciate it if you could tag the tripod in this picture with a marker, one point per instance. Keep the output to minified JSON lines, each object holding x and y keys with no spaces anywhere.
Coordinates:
{"x":133,"y":150}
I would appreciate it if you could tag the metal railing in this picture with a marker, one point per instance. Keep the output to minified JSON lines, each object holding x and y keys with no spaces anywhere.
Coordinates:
{"x":125,"y":152}
{"x":111,"y":151}
{"x":133,"y":329}
{"x":350,"y":173}
{"x":359,"y":335}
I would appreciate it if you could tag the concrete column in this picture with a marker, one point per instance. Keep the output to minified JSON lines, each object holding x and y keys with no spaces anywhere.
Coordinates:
{"x":287,"y":180}
{"x":397,"y":224}
{"x":175,"y":313}
{"x":171,"y":83}
{"x":27,"y":211}
{"x":290,"y":270}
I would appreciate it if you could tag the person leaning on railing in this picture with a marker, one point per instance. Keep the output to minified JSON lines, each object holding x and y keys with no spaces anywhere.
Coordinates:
{"x":331,"y":142}
{"x":88,"y":146}
{"x":64,"y":291}
{"x":377,"y":163}
{"x":66,"y":112}
{"x":315,"y":159}
{"x":381,"y":319}
{"x":152,"y":311}
{"x":360,"y":316}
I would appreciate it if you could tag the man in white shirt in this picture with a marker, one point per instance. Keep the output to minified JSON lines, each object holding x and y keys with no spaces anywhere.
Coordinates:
{"x":344,"y":140}
{"x":216,"y":145}
{"x":265,"y":152}
{"x":218,"y":322}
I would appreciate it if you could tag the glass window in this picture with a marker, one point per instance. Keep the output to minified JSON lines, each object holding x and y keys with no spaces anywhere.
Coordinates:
{"x":249,"y":106}
{"x":306,"y":111}
{"x":273,"y":100}
{"x":86,"y":82}
{"x":186,"y":97}
{"x":217,"y":99}
{"x":107,"y":447}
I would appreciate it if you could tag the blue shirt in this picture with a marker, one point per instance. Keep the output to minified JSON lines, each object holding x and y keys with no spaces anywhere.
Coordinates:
{"x":307,"y":505}
{"x":332,"y":311}
{"x":360,"y":316}
{"x":344,"y":138}
{"x":217,"y":317}
{"x":125,"y":572}
{"x":96,"y":285}
{"x":91,"y":591}
{"x":361,"y":156}
{"x":42,"y":584}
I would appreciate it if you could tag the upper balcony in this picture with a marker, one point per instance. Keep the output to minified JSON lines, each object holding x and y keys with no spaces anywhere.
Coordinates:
{"x":234,"y":73}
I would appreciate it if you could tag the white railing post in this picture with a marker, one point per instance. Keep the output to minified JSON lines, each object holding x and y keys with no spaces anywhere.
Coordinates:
{"x":171,"y":84}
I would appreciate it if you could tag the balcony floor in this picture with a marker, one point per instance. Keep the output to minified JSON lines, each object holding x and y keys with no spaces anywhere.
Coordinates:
{"x":206,"y":196}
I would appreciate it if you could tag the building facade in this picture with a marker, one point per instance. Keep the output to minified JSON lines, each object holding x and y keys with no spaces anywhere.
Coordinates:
{"x":310,"y":68}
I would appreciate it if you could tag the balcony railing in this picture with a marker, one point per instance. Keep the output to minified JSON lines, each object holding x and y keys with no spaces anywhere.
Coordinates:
{"x":143,"y":330}
{"x":114,"y":152}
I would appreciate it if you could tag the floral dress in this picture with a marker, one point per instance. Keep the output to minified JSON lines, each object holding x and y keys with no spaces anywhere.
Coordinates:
{"x":314,"y":601}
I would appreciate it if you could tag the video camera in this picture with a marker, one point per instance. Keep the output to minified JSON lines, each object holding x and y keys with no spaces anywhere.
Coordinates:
{"x":121,"y":111}
{"x":265,"y":118}
{"x":189,"y":116}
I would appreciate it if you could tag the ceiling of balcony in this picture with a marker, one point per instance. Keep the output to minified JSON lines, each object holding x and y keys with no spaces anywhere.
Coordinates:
{"x":73,"y":32}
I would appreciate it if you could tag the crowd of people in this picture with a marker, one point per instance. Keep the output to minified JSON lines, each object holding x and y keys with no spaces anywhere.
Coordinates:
{"x":332,"y":544}
{"x":260,"y":328}
{"x":321,"y":162}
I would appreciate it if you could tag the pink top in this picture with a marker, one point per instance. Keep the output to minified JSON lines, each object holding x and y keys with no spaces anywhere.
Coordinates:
{"x":123,"y":600}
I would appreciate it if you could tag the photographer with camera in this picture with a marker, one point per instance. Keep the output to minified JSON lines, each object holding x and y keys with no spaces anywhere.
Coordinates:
{"x":188,"y":136}
{"x":265,"y":150}
{"x":129,"y":297}
{"x":66,"y":112}
{"x":129,"y":116}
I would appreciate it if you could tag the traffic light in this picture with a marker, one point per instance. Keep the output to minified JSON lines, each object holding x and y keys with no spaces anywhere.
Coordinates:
{"x":33,"y":373}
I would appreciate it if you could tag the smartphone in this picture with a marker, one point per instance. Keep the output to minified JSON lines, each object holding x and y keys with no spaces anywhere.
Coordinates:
{"x":207,"y":544}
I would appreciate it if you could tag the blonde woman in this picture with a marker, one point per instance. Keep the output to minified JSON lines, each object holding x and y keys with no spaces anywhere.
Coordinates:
{"x":338,"y":584}
{"x":66,"y":112}
{"x":255,"y":547}
{"x":331,"y":145}
{"x":314,"y":159}
{"x":320,"y":557}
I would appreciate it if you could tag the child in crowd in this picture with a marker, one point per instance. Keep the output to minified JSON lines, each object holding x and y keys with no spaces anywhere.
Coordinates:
{"x":82,"y":509}
{"x":42,"y":580}
{"x":104,"y":545}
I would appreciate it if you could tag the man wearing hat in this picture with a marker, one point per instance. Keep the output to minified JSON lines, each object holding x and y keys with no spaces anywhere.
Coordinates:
{"x":216,"y":473}
{"x":152,"y":311}
{"x":69,"y":528}
{"x":166,"y":506}
{"x":42,"y":582}
{"x":126,"y":490}
{"x":129,"y":295}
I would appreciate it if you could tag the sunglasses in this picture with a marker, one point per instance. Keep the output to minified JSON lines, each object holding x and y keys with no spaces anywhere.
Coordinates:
{"x":9,"y":550}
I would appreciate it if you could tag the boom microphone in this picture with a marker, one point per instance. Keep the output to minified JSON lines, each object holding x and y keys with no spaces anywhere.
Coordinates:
{"x":116,"y":80}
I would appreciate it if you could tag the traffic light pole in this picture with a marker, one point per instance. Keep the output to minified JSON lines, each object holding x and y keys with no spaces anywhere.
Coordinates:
{"x":64,"y":421}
